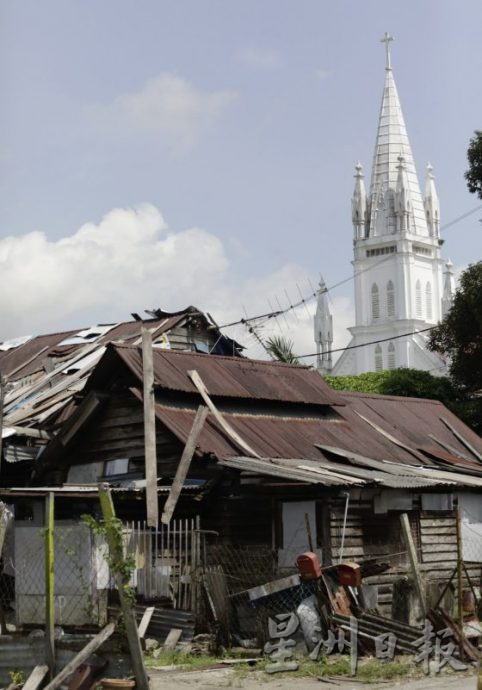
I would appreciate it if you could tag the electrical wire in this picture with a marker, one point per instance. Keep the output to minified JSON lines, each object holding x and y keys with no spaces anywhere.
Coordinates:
{"x":304,"y":300}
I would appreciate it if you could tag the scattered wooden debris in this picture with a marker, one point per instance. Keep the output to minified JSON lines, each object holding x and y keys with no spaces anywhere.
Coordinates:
{"x":172,"y":639}
{"x":36,"y":677}
{"x":82,"y":656}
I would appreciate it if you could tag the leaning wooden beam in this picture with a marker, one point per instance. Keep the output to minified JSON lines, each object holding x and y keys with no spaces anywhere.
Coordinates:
{"x":145,"y":620}
{"x":462,"y":439}
{"x":149,"y":429}
{"x":35,"y":678}
{"x":184,"y":463}
{"x":199,"y":383}
{"x":412,"y":554}
{"x":114,"y":540}
{"x":393,"y":439}
{"x":82,"y":656}
{"x":49,"y":583}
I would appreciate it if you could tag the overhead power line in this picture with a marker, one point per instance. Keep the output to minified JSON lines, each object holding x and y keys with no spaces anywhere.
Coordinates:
{"x":247,"y":321}
{"x":371,"y":342}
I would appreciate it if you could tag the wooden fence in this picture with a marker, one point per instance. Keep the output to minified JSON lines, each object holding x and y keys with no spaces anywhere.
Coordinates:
{"x":167,"y":560}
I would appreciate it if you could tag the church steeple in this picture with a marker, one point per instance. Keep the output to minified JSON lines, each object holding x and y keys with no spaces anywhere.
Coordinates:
{"x":399,"y":288}
{"x":392,"y":143}
{"x":323,"y":331}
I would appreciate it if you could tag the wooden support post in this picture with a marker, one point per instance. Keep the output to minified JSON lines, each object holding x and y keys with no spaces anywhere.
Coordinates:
{"x":82,"y":656}
{"x":114,"y":540}
{"x":149,"y":429}
{"x":412,"y":554}
{"x":184,"y":463}
{"x":460,"y":565}
{"x":49,"y":584}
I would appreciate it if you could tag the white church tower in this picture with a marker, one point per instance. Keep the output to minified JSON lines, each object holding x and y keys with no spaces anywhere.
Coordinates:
{"x":399,"y":284}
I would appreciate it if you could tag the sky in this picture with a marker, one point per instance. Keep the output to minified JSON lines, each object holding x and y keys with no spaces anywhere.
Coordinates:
{"x":160,"y":154}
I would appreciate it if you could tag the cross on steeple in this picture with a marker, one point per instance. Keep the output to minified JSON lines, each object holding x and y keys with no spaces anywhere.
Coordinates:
{"x":387,"y":40}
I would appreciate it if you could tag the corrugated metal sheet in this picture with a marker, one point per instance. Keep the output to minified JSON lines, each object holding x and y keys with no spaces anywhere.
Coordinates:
{"x":413,"y":419}
{"x":230,"y":377}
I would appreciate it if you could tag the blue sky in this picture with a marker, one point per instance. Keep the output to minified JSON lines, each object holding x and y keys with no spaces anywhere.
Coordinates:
{"x":240,"y":121}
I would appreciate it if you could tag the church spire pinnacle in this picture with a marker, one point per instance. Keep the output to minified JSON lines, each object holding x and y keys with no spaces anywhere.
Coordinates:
{"x":387,"y":39}
{"x":391,"y":143}
{"x":359,"y":204}
{"x":323,"y":331}
{"x":431,"y":203}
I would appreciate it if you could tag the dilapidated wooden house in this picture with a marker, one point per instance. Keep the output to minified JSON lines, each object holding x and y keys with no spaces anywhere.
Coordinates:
{"x":281,"y":463}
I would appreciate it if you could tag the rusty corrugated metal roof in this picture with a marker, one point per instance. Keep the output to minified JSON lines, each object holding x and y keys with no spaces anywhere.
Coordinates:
{"x":413,"y":419}
{"x":227,"y":377}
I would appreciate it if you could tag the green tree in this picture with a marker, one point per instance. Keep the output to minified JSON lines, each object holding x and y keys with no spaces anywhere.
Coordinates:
{"x":474,"y":173}
{"x":411,"y":383}
{"x":281,"y":349}
{"x":459,"y":336}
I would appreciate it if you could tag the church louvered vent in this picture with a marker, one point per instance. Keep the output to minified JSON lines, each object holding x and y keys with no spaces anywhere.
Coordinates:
{"x":375,"y":302}
{"x":392,"y":363}
{"x":390,"y":299}
{"x":418,"y":299}
{"x":378,"y":358}
{"x":428,"y":300}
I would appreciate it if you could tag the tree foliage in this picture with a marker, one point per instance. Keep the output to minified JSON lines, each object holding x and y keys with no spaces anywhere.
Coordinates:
{"x":281,"y":349}
{"x":474,"y":173}
{"x":405,"y":382}
{"x":459,"y":336}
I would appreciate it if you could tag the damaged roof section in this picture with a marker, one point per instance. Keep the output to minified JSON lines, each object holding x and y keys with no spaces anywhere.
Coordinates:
{"x":296,"y":426}
{"x":43,"y":374}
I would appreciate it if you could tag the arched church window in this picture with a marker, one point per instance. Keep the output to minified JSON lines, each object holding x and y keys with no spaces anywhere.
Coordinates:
{"x":418,"y":299}
{"x":378,"y":358}
{"x":375,"y":302}
{"x":428,"y":300}
{"x":390,"y":299}
{"x":391,"y":356}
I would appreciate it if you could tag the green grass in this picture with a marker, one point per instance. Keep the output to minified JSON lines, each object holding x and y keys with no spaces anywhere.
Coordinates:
{"x":187,"y":662}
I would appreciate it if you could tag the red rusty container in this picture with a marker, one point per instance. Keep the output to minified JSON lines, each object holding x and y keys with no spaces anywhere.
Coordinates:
{"x":309,"y":566}
{"x":349,"y":574}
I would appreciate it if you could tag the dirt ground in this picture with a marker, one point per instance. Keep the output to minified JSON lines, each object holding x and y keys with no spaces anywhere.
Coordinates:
{"x":228,"y":678}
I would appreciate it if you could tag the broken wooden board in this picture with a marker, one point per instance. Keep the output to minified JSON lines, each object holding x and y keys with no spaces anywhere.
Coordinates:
{"x":172,"y":639}
{"x":36,"y":677}
{"x":145,"y":620}
{"x":82,"y":656}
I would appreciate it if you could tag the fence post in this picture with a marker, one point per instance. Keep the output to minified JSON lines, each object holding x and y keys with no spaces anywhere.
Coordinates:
{"x":460,"y":563}
{"x":117,"y":556}
{"x":49,"y":584}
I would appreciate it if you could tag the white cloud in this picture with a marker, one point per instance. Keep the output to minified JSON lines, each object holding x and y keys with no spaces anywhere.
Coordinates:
{"x":259,"y":58}
{"x":130,"y":261}
{"x":168,"y":107}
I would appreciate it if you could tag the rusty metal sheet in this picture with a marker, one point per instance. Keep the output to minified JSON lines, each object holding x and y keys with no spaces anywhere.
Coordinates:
{"x":413,"y":419}
{"x":232,"y":377}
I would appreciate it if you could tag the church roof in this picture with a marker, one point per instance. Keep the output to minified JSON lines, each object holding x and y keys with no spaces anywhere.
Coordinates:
{"x":392,"y":143}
